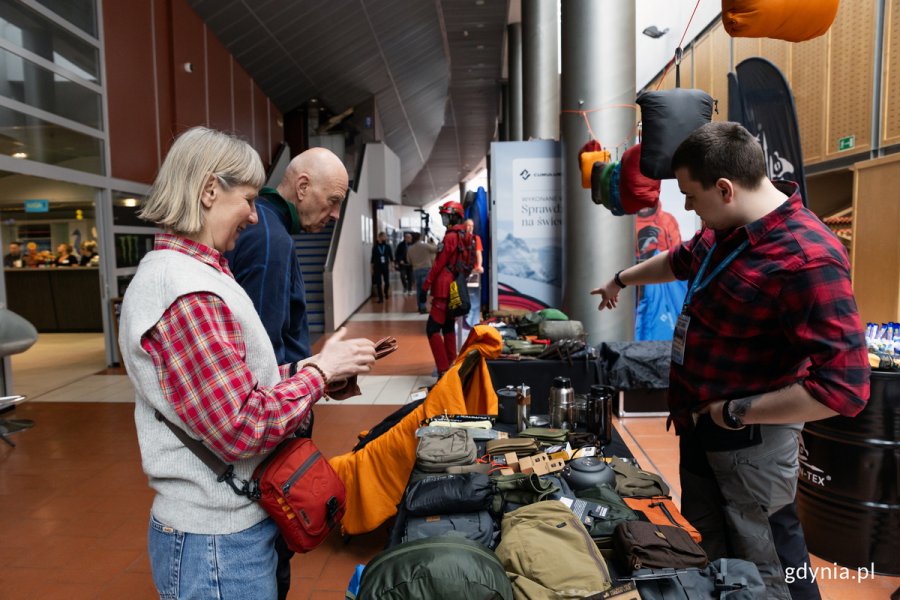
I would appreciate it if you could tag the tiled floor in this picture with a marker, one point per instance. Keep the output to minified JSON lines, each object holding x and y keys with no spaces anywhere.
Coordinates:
{"x":74,"y":502}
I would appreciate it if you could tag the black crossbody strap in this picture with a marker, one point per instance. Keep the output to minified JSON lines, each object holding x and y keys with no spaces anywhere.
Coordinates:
{"x":224,"y":472}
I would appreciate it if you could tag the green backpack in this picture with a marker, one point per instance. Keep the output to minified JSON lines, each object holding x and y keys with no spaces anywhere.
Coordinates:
{"x":437,"y":568}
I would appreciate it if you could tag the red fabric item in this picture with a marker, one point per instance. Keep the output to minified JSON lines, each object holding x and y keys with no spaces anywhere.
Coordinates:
{"x":300,"y":490}
{"x":436,"y":342}
{"x":636,"y":190}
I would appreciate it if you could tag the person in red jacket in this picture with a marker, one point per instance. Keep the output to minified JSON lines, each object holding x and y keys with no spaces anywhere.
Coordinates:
{"x":456,"y":253}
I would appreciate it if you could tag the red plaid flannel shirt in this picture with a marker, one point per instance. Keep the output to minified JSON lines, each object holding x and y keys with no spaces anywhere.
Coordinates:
{"x":198,"y":349}
{"x":783,"y":312}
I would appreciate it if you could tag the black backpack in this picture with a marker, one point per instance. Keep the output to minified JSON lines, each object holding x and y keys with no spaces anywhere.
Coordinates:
{"x":437,"y":568}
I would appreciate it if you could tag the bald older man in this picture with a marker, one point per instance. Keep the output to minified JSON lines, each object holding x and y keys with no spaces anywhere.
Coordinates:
{"x":264,"y":261}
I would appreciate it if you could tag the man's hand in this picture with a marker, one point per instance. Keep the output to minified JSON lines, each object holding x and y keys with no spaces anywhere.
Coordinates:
{"x":341,"y":358}
{"x":609,"y":294}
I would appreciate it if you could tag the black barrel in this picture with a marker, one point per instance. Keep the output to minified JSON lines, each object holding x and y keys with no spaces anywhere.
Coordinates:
{"x":849,"y":494}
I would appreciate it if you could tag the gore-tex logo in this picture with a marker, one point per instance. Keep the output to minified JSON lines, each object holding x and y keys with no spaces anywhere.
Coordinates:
{"x":524,"y":174}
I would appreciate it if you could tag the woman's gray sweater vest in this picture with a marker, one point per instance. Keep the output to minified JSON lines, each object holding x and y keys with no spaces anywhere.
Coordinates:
{"x":188,"y":497}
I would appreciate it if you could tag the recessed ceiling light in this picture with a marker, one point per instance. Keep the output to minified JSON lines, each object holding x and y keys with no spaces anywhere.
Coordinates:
{"x":20,"y":155}
{"x":130,"y":202}
{"x":479,"y":2}
{"x":479,"y":25}
{"x":479,"y":47}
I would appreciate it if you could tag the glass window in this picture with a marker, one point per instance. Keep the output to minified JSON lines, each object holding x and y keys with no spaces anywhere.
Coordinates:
{"x":35,"y":86}
{"x":24,"y":136}
{"x":80,"y":13}
{"x":29,"y":30}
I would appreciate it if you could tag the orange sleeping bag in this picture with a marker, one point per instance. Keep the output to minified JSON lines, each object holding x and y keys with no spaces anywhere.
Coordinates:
{"x":376,"y":476}
{"x":779,"y":19}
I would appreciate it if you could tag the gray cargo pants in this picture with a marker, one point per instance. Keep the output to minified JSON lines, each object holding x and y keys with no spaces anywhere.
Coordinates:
{"x":730,"y":496}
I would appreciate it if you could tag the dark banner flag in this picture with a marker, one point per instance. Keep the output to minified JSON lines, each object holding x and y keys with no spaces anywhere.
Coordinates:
{"x":760,"y":99}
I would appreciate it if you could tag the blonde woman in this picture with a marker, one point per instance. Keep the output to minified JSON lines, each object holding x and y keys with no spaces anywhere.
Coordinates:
{"x":197,"y":352}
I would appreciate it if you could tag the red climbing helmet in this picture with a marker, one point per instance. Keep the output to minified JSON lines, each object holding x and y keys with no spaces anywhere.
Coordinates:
{"x":452,"y":208}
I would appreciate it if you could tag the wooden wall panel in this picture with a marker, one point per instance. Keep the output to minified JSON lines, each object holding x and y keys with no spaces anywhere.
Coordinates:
{"x":261,"y":124}
{"x":890,"y":130}
{"x":164,"y":76}
{"x":242,"y":102}
{"x":703,"y":65}
{"x":131,"y":95}
{"x":720,"y":65}
{"x":809,"y":74}
{"x":218,"y":84}
{"x":188,"y":48}
{"x":851,"y":61}
{"x":276,"y":129}
{"x":745,"y":48}
{"x":778,"y":52}
{"x":876,"y":245}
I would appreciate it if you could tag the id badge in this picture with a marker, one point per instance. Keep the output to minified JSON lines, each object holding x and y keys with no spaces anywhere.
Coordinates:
{"x":382,"y":260}
{"x":679,"y":339}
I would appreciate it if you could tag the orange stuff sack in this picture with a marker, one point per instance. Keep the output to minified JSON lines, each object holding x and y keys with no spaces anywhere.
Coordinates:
{"x":778,"y":19}
{"x":375,"y":477}
{"x":590,"y":153}
{"x":587,"y":163}
{"x":660,"y":510}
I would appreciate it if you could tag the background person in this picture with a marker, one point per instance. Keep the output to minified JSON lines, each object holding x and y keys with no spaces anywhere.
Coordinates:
{"x":455,"y":254}
{"x":89,"y":256}
{"x":14,"y":258}
{"x":197,"y":352}
{"x":421,"y":256}
{"x":768,"y":339}
{"x":382,"y":257}
{"x":402,"y":263}
{"x":64,"y":256}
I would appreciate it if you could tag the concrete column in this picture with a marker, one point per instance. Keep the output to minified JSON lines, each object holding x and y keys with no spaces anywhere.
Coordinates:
{"x":540,"y":74}
{"x":598,"y":69}
{"x":514,"y":52}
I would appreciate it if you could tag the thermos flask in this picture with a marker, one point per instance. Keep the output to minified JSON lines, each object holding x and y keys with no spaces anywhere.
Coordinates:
{"x":523,"y":407}
{"x":562,"y":403}
{"x":600,"y":403}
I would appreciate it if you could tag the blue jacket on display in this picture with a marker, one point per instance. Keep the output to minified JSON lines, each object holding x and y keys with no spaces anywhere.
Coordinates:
{"x":265,"y":264}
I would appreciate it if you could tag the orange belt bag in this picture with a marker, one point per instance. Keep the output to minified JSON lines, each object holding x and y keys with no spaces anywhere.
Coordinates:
{"x":660,"y":510}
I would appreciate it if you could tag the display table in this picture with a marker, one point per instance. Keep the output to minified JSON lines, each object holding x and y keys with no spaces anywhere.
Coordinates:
{"x":54,"y":300}
{"x":538,"y":375}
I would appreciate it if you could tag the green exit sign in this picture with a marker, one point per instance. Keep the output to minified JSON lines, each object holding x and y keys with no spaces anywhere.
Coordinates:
{"x":846,"y":143}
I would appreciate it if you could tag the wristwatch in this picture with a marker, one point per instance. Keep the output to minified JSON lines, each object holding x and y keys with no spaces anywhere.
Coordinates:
{"x":618,"y":280}
{"x":731,"y":421}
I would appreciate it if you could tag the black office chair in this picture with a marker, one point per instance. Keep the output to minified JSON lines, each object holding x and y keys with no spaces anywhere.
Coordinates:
{"x":16,"y":336}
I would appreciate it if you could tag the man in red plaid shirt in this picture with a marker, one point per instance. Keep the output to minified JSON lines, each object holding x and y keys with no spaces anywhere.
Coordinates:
{"x":769,"y":338}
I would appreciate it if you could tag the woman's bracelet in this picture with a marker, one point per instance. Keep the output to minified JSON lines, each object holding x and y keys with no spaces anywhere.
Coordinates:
{"x":618,"y":280}
{"x":313,"y":365}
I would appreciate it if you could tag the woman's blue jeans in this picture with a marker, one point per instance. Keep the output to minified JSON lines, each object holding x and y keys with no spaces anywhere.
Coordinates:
{"x":237,"y":566}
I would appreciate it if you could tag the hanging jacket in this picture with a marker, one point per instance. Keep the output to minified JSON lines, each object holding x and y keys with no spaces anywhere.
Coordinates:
{"x":376,"y":476}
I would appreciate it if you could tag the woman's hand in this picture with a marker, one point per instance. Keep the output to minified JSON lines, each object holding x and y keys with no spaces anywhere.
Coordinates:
{"x":341,"y":358}
{"x":609,"y":294}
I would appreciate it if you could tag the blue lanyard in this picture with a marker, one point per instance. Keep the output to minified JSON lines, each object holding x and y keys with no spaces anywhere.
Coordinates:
{"x":699,"y":282}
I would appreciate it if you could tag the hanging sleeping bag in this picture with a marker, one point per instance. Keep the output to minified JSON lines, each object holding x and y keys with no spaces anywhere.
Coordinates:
{"x":636,"y":191}
{"x":668,"y":117}
{"x":778,"y":19}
